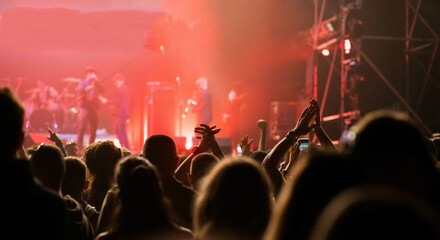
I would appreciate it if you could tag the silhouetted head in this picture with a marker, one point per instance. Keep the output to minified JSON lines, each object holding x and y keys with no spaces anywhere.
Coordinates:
{"x":71,"y":149}
{"x":11,"y":122}
{"x":106,"y":156}
{"x":376,"y":213}
{"x":89,"y":157}
{"x":201,"y":164}
{"x":385,"y":137}
{"x":135,"y":176}
{"x":235,"y":202}
{"x":48,"y":166}
{"x":75,"y":177}
{"x":316,"y":178}
{"x":161,"y":151}
{"x":392,"y":150}
{"x":142,"y":204}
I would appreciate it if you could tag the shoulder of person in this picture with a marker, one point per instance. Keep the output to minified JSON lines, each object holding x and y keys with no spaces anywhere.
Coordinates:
{"x":71,"y":204}
{"x":113,"y":192}
{"x":105,"y":236}
{"x":179,"y":184}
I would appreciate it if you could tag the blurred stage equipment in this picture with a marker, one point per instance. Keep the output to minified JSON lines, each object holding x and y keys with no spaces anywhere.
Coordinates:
{"x":40,"y":120}
{"x":160,"y":108}
{"x":224,"y":143}
{"x":340,"y":38}
{"x":282,"y":117}
{"x":335,"y":37}
{"x":71,"y":80}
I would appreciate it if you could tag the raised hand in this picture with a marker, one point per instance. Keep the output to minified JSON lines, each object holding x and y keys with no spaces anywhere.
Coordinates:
{"x":53,"y":137}
{"x":317,"y":118}
{"x":206,"y":130}
{"x":262,"y":124}
{"x":207,"y":135}
{"x":305,"y":122}
{"x":322,"y":136}
{"x":245,"y":145}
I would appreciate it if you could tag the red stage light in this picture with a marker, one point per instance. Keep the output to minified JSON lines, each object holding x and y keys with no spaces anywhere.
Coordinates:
{"x":325,"y":52}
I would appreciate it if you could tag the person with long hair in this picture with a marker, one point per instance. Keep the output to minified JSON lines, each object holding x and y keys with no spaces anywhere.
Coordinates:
{"x":143,"y":211}
{"x":235,"y":201}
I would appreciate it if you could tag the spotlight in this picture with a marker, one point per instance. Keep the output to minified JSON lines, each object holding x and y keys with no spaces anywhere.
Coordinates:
{"x":347,"y":46}
{"x":325,"y":52}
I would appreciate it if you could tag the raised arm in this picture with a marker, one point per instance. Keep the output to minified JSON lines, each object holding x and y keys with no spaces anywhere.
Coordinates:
{"x":293,"y":158}
{"x":216,"y":150}
{"x":322,"y":136}
{"x":262,"y":124}
{"x":207,"y":137}
{"x":275,"y":156}
{"x":53,"y":137}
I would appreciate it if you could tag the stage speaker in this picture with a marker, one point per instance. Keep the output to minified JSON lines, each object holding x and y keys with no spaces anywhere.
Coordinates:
{"x":36,"y":138}
{"x":224,"y":143}
{"x":282,"y":119}
{"x":161,"y":109}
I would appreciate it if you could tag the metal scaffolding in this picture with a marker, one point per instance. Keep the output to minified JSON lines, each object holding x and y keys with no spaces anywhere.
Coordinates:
{"x":336,"y":43}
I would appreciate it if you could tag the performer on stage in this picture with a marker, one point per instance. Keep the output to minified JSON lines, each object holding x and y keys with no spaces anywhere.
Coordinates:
{"x":121,"y":109}
{"x":43,"y":96}
{"x":203,"y":106}
{"x":89,"y":89}
{"x":234,"y":109}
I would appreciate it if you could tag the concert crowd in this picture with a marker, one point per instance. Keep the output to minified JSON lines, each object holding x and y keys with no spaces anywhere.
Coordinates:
{"x":380,"y":181}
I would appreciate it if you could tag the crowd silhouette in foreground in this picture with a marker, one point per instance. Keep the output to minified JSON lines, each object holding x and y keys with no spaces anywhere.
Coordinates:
{"x":382,"y":182}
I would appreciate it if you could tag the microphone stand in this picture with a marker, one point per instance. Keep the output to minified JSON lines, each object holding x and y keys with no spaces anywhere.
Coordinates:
{"x":179,"y":92}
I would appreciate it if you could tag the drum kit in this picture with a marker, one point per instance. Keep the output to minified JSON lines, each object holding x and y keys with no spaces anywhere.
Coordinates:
{"x":59,"y":113}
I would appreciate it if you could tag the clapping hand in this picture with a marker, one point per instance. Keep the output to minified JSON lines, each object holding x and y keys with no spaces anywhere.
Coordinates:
{"x":206,"y":130}
{"x":317,"y":118}
{"x":207,"y":134}
{"x":307,"y":121}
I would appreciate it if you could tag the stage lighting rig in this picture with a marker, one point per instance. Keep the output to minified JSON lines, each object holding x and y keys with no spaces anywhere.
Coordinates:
{"x":340,"y":37}
{"x":326,"y":35}
{"x":353,"y":30}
